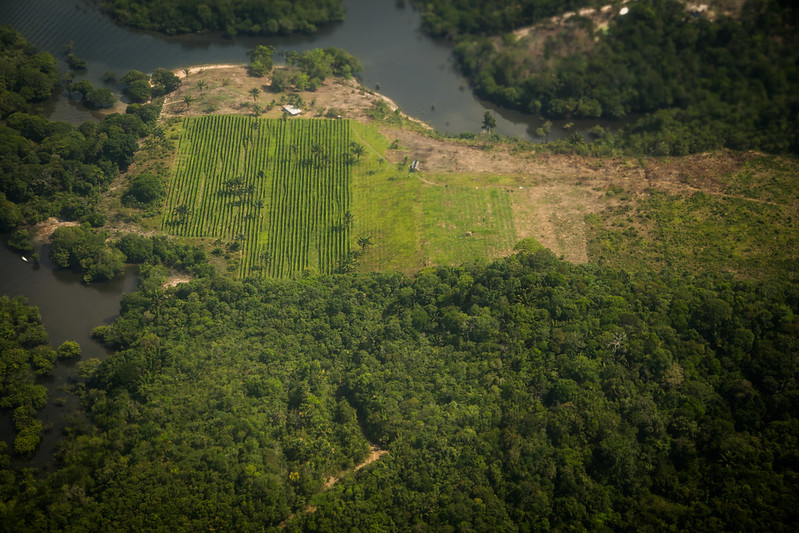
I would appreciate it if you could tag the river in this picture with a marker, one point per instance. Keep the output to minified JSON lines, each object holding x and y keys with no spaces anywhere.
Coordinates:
{"x":415,"y":71}
{"x":69,"y":311}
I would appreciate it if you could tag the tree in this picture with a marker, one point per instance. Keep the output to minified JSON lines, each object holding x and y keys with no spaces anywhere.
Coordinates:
{"x":136,"y":86}
{"x":182,"y":212}
{"x":261,"y":60}
{"x":10,"y":214}
{"x":188,"y":99}
{"x":186,"y":72}
{"x":544,"y":130}
{"x":357,"y":149}
{"x":101,"y":98}
{"x":489,"y":121}
{"x":164,"y":81}
{"x":254,"y":92}
{"x":69,"y":350}
{"x":201,"y":85}
{"x":281,"y":80}
{"x":145,"y":189}
{"x":364,"y":242}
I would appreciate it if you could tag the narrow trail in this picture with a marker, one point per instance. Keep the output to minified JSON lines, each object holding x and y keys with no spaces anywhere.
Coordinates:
{"x":374,"y":454}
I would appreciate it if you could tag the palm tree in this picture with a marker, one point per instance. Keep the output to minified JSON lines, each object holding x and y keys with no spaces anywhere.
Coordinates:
{"x":187,"y":71}
{"x":201,"y":85}
{"x":182,"y":212}
{"x":364,"y":242}
{"x":254,"y":92}
{"x":188,"y":99}
{"x":357,"y":149}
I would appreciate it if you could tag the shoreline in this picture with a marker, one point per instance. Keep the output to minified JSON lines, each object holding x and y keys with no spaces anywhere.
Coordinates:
{"x":353,"y":83}
{"x":179,"y":72}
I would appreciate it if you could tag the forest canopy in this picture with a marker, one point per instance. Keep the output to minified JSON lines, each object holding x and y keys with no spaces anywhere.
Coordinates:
{"x":265,"y":17}
{"x":700,"y":84}
{"x":525,"y":394}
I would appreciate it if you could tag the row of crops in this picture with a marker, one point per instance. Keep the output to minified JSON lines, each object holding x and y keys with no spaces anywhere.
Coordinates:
{"x":276,"y":189}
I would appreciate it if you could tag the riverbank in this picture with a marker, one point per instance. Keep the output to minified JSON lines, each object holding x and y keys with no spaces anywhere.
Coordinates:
{"x":219,"y":89}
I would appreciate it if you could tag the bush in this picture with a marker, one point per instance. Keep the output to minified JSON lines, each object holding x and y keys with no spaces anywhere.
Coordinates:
{"x":21,"y":240}
{"x":144,"y":190}
{"x":69,"y":350}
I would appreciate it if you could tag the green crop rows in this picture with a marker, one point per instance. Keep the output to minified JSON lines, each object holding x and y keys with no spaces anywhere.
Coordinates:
{"x":278,"y":190}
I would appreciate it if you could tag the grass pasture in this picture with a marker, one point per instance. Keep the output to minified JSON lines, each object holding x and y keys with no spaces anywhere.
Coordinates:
{"x":420,"y":219}
{"x":275,"y":190}
{"x":747,"y":226}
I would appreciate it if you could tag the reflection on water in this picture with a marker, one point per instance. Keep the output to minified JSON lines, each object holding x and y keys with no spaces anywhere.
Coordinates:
{"x":415,"y":71}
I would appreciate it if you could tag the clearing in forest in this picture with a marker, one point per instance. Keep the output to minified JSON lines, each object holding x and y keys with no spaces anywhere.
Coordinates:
{"x":276,"y":190}
{"x":287,"y":195}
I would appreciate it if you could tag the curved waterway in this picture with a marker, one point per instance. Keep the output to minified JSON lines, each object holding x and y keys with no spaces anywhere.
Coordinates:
{"x":415,"y":71}
{"x":69,"y":310}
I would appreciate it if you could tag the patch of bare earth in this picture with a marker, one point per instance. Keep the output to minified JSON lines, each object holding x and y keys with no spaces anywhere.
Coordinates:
{"x":175,"y":280}
{"x":43,"y":230}
{"x":226,"y":89}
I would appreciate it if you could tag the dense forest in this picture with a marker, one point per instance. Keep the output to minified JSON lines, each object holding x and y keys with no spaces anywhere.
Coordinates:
{"x":450,"y":18}
{"x":26,"y":354}
{"x":265,"y":17}
{"x":700,"y":84}
{"x":526,"y":394}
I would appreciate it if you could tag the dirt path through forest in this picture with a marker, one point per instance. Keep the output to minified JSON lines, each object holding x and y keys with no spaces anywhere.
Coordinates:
{"x":375,"y":453}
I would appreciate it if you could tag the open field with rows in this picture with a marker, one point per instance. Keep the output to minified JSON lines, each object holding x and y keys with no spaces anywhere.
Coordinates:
{"x":275,"y":190}
{"x":290,"y":195}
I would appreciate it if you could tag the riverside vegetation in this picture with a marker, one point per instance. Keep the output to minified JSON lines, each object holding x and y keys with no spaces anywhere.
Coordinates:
{"x":635,"y":391}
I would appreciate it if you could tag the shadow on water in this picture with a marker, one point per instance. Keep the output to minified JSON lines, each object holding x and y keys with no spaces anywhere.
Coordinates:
{"x":69,"y":310}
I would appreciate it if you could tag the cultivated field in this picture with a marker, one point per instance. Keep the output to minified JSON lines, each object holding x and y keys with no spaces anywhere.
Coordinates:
{"x":277,"y":191}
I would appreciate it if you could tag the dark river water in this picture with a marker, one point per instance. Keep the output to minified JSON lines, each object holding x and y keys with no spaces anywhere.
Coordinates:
{"x":415,"y":71}
{"x":69,"y":311}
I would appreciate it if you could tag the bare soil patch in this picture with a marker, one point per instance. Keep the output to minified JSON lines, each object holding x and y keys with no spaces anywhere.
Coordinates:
{"x":226,"y":89}
{"x":175,"y":280}
{"x":43,"y":230}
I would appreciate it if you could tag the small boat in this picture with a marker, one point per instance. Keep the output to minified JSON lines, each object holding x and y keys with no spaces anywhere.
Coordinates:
{"x":24,"y":258}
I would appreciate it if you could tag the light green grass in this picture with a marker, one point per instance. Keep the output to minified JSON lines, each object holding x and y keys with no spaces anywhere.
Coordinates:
{"x":411,"y":220}
{"x":752,"y":234}
{"x":421,"y":219}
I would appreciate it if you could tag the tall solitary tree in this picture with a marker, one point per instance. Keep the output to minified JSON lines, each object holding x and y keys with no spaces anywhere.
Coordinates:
{"x":261,"y":60}
{"x":489,"y":121}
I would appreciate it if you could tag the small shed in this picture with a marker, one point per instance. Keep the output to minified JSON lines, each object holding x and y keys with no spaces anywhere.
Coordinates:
{"x":415,"y":166}
{"x":292,"y":110}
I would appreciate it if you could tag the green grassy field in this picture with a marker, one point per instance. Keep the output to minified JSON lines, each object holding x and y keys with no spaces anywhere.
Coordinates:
{"x":747,"y":228}
{"x":421,"y":219}
{"x":286,"y":196}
